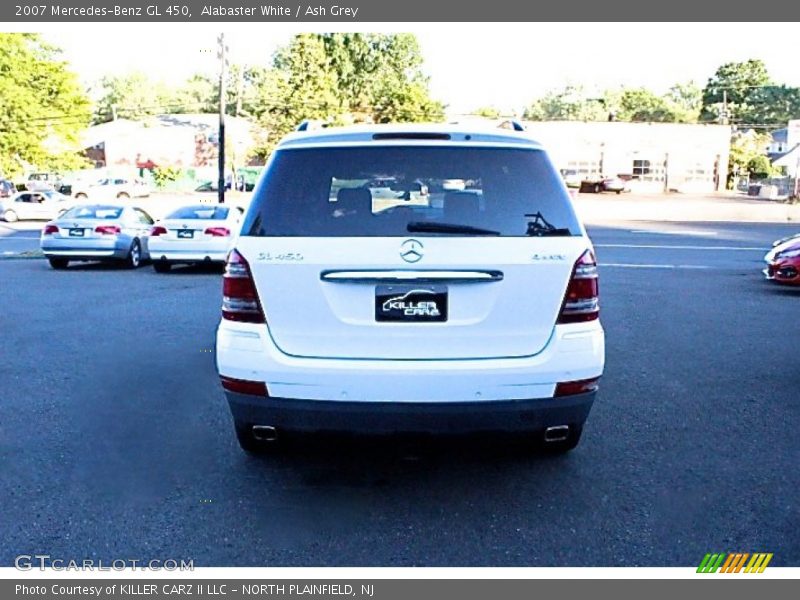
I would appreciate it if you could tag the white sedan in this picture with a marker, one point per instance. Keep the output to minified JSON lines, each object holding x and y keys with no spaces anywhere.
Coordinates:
{"x":199,"y":233}
{"x":107,"y":190}
{"x":31,"y":206}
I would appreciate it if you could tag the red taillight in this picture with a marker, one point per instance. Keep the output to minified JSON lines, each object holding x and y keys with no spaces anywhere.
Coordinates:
{"x":239,"y":296}
{"x":158,"y":230}
{"x":218,"y":231}
{"x":581,"y":386}
{"x":244,"y":386}
{"x":581,"y":302}
{"x":107,"y":229}
{"x":50,"y":229}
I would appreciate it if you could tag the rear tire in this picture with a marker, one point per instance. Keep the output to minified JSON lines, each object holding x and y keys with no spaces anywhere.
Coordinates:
{"x":58,"y":263}
{"x":10,"y":216}
{"x":123,"y":196}
{"x":161,"y":266}
{"x":134,"y":258}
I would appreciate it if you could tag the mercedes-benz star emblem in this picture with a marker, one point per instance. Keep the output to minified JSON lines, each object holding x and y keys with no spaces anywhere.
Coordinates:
{"x":411,"y":251}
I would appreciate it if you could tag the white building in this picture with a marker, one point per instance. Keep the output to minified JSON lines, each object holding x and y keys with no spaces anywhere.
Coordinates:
{"x":657,"y":157}
{"x":180,"y":140}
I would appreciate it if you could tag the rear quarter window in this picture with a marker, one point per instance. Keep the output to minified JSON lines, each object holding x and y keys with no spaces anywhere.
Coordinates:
{"x":386,"y":190}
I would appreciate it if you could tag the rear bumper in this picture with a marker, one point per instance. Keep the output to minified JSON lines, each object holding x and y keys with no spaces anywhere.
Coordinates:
{"x":176,"y":256}
{"x":189,"y":251}
{"x":381,"y":418}
{"x":90,"y":249}
{"x":245,"y":351}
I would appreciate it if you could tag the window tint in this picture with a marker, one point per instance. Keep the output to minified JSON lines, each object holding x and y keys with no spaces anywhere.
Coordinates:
{"x":201,"y":211}
{"x":93,"y":212}
{"x":390,"y":191}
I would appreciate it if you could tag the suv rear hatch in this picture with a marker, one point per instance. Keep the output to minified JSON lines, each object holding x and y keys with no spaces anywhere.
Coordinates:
{"x":411,"y":251}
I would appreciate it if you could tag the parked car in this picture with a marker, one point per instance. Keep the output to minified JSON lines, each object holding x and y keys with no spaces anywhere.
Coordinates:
{"x":32,"y":206}
{"x":212,"y":185}
{"x":339,"y":316}
{"x":783,"y":262}
{"x":103,"y":232}
{"x":199,"y":233}
{"x":605,"y":184}
{"x":40,"y":182}
{"x":109,"y":189}
{"x":571,"y":177}
{"x":7,"y":188}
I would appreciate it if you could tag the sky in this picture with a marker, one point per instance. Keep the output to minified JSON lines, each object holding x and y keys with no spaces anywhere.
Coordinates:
{"x":470,"y":65}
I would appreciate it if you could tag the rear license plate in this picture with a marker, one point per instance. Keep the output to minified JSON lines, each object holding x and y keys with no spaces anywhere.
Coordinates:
{"x":411,"y":303}
{"x":185,"y":233}
{"x":76,"y":233}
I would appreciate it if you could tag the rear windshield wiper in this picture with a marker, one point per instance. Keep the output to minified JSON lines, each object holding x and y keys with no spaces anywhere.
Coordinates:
{"x":434,"y":227}
{"x":541,"y":227}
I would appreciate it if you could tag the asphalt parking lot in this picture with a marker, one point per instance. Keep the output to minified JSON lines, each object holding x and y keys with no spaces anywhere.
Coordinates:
{"x":116,"y":442}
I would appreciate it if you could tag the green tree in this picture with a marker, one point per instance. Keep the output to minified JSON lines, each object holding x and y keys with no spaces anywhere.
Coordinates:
{"x":44,"y":108}
{"x":686,"y":101}
{"x":773,"y":105}
{"x":304,"y":88}
{"x":133,"y":96}
{"x":401,"y":90}
{"x":570,"y":104}
{"x":200,"y":94}
{"x":736,"y":83}
{"x":342,"y":78}
{"x":380,"y":77}
{"x":489,"y":112}
{"x":640,"y":104}
{"x":748,"y":154}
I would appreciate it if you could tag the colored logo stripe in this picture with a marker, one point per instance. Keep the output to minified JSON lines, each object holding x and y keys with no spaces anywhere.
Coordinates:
{"x":758,"y":563}
{"x":734,"y":562}
{"x":710,"y":563}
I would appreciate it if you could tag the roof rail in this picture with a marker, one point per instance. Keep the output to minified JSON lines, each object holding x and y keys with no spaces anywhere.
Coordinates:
{"x":311,"y":125}
{"x":511,"y":124}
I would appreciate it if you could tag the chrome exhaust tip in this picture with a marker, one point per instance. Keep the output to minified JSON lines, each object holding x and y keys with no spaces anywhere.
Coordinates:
{"x":265,"y":433}
{"x":559,"y":433}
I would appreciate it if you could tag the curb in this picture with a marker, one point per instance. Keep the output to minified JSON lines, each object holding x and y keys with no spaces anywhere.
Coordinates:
{"x":22,"y":255}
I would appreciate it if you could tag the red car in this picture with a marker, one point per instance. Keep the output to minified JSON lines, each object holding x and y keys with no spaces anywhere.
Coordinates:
{"x":783,"y":263}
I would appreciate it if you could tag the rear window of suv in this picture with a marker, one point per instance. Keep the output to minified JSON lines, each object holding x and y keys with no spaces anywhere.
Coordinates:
{"x":396,"y":190}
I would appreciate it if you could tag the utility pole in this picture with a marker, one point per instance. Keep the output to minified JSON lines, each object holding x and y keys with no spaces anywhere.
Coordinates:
{"x":723,"y":117}
{"x":223,"y":62}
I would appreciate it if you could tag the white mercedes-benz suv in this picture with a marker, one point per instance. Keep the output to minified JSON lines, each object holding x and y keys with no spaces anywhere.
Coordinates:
{"x":417,"y":306}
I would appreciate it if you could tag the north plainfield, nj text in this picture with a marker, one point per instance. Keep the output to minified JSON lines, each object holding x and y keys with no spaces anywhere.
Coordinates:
{"x":278,"y":10}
